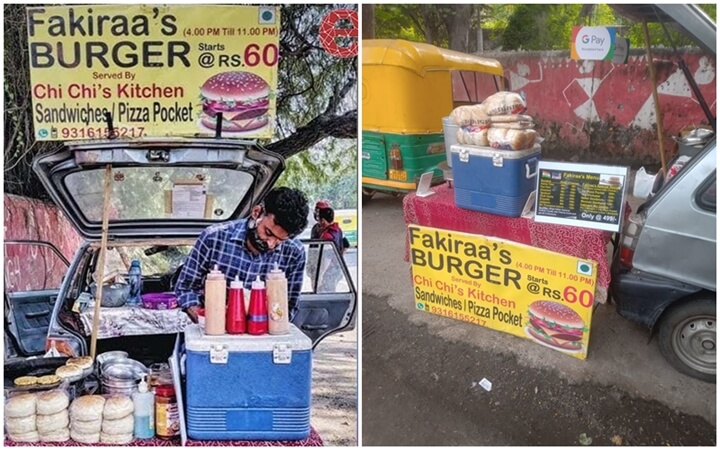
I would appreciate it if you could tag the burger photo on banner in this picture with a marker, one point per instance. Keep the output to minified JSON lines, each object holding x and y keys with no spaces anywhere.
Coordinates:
{"x":243,"y":98}
{"x":555,"y":325}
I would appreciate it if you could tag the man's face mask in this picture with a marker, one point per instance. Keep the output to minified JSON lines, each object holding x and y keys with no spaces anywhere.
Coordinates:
{"x":254,"y":237}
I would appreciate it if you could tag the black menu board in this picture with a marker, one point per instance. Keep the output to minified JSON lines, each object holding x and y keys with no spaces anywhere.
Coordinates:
{"x":581,"y":195}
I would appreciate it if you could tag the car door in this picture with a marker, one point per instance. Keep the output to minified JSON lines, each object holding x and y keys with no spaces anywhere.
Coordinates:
{"x":328,"y":300}
{"x":34,"y":271}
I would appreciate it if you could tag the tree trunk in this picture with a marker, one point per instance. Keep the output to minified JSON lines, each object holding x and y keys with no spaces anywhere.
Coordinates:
{"x":368,"y":21}
{"x":430,"y":24}
{"x":457,"y":20}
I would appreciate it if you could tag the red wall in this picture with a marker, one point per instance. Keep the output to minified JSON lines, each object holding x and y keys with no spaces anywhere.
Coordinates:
{"x":31,"y":267}
{"x":597,"y":111}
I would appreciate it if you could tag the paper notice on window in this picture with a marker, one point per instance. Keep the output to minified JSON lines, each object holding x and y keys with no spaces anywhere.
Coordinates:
{"x":188,"y":201}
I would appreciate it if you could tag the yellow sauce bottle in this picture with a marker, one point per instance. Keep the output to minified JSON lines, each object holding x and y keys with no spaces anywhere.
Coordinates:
{"x":277,"y":298}
{"x":215,"y":297}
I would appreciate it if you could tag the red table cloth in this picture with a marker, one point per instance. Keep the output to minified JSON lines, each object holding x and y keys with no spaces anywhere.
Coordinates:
{"x":440,"y":211}
{"x":313,"y":440}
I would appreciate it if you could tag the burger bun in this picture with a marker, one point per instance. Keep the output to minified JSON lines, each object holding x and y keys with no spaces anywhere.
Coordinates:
{"x":125,"y":438}
{"x":21,"y":405}
{"x":21,"y":425}
{"x":118,"y":407}
{"x":91,"y":438}
{"x":59,"y":435}
{"x":52,"y":422}
{"x":87,"y":408}
{"x":86,"y":426}
{"x":31,"y":436}
{"x":52,"y":402}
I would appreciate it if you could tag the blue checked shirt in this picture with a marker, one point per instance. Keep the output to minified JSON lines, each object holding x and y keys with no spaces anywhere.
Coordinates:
{"x":224,"y":245}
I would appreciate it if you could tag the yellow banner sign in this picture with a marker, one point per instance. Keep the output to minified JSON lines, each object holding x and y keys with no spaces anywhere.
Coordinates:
{"x":157,"y":70}
{"x":525,"y":291}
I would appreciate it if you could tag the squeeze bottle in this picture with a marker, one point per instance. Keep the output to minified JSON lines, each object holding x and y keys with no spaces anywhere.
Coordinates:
{"x":215,"y":295}
{"x":257,"y":315}
{"x":135,"y":279}
{"x":235,"y":320}
{"x":144,"y":414}
{"x":277,"y":297}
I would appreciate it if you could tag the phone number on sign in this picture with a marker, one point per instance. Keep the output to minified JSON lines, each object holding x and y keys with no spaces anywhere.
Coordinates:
{"x":456,"y":315}
{"x":100,"y":133}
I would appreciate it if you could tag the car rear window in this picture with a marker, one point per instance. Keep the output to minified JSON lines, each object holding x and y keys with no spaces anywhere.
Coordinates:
{"x":146,"y":193}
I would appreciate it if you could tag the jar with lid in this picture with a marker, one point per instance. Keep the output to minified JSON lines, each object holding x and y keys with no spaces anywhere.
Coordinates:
{"x":159,"y":374}
{"x":167,"y":416}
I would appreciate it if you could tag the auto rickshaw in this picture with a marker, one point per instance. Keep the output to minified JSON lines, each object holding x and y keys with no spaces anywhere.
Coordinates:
{"x":407,"y":89}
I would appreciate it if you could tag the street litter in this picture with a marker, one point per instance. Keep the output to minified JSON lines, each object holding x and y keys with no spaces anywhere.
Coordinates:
{"x":584,"y":439}
{"x":486,"y":384}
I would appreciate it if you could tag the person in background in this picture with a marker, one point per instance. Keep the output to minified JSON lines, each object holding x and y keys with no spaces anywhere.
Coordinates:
{"x":248,"y":248}
{"x":327,"y":229}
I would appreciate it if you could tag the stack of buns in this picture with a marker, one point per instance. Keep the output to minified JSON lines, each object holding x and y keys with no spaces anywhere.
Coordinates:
{"x":20,"y":418}
{"x":497,"y":122}
{"x":86,"y":414}
{"x":118,"y":423}
{"x":52,"y":416}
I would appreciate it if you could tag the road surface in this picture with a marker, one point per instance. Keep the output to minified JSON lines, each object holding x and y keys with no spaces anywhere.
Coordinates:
{"x":420,"y":372}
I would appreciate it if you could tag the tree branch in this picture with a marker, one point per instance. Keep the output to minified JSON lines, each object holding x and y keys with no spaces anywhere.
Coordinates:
{"x":321,"y":127}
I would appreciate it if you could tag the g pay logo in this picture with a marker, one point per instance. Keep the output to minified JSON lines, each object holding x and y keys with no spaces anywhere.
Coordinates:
{"x":339,"y":33}
{"x":585,"y":39}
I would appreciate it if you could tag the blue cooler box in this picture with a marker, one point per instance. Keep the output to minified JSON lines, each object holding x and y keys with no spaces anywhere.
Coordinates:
{"x":494,"y":181}
{"x":242,"y":387}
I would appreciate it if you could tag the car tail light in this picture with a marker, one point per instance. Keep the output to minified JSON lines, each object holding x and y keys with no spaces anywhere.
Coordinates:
{"x":629,"y":238}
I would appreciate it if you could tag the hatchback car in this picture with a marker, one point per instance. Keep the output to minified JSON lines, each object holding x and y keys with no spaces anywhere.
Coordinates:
{"x":664,"y":271}
{"x":163,"y":193}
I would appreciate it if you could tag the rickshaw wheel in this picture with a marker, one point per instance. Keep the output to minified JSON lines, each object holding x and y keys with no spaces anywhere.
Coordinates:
{"x":367,"y":194}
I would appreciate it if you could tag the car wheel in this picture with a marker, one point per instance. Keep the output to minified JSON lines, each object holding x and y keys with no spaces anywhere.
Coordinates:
{"x":687,"y":338}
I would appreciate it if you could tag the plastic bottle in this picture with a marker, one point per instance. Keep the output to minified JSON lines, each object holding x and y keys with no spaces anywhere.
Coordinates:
{"x":235,"y":320}
{"x":215,"y":296}
{"x":144,"y":414}
{"x":277,"y":297}
{"x":257,"y":322}
{"x":135,"y":279}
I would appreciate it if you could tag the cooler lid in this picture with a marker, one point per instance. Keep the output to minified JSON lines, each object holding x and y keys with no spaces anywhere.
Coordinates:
{"x":197,"y":341}
{"x":489,"y":152}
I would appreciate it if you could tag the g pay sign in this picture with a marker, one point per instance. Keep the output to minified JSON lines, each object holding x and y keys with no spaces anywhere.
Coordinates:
{"x":525,"y":291}
{"x":593,"y":43}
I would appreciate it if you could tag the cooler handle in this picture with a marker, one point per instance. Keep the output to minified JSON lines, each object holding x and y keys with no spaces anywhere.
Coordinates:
{"x":529,"y":175}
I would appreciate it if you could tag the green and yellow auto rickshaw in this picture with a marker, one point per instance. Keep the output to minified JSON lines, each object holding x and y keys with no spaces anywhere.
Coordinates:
{"x":407,"y":89}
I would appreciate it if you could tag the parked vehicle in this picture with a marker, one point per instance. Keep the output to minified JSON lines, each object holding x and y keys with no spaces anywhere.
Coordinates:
{"x":237,"y":174}
{"x":664,"y":269}
{"x":407,"y":89}
{"x":347,"y":219}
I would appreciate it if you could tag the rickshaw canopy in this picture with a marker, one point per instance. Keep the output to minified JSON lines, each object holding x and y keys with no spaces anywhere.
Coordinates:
{"x":421,"y":58}
{"x":408,"y":86}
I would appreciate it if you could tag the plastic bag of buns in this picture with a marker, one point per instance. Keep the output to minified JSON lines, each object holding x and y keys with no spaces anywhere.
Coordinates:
{"x":510,"y":139}
{"x":503,"y":103}
{"x":470,"y":116}
{"x":512,"y":121}
{"x":473,"y":136}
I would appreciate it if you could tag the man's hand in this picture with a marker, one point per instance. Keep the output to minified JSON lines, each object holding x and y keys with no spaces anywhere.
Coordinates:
{"x":192,"y":312}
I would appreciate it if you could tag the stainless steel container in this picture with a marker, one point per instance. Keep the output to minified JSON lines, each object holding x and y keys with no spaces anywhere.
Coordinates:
{"x":120,"y":376}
